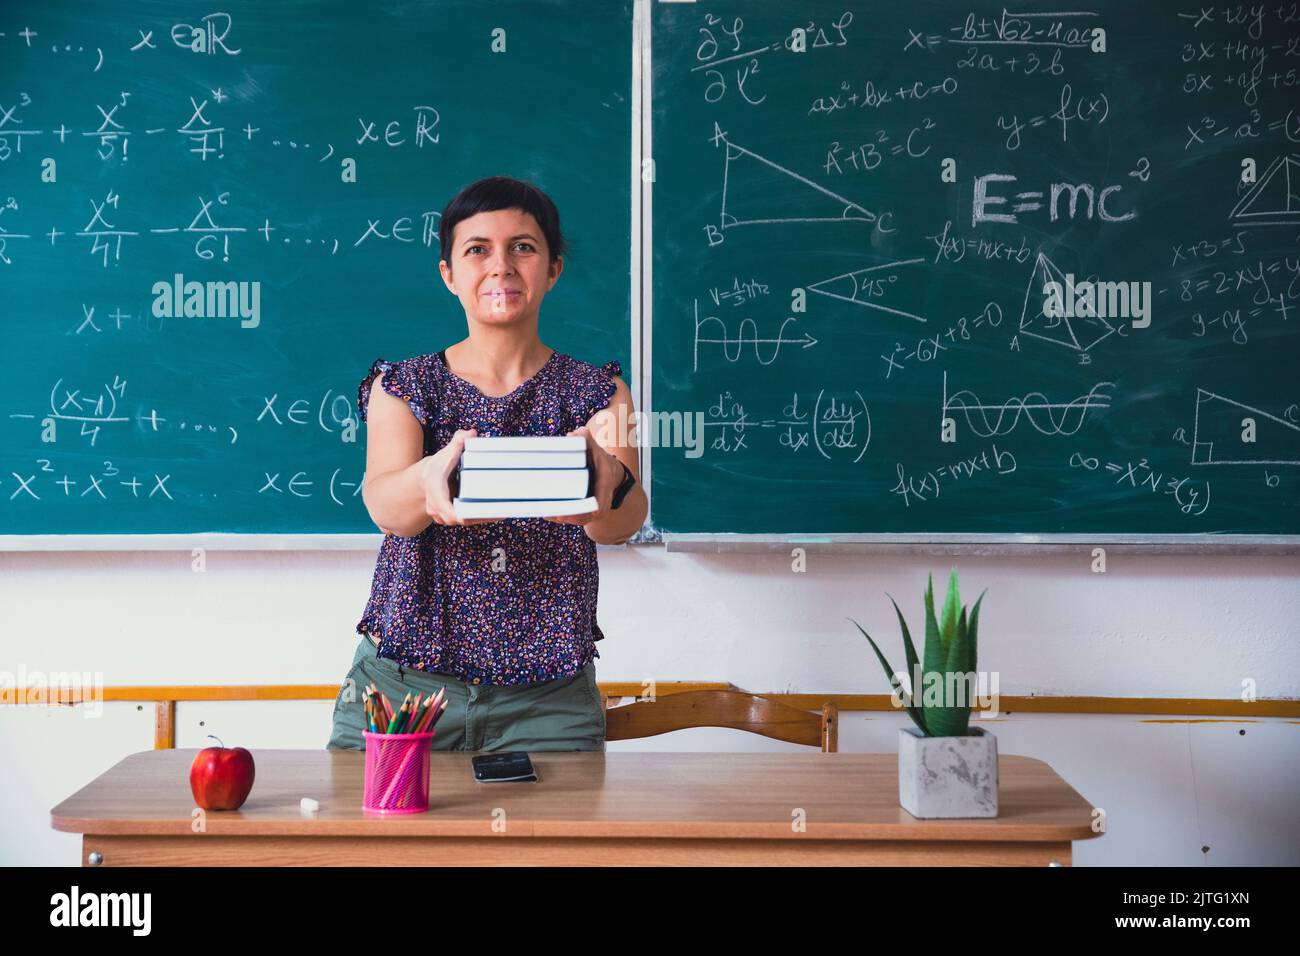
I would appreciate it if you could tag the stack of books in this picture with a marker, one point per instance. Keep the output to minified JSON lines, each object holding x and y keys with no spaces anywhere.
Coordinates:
{"x":526,"y":476}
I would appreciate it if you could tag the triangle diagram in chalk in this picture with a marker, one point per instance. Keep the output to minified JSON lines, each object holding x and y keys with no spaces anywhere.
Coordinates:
{"x":1218,"y":434}
{"x":756,"y":190}
{"x":1080,"y":332}
{"x":1275,"y":199}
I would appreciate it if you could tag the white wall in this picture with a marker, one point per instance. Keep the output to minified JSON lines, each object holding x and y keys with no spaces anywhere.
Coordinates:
{"x":1176,"y":626}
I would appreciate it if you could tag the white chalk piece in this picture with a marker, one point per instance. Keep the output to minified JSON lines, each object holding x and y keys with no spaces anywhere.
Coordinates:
{"x":309,"y":805}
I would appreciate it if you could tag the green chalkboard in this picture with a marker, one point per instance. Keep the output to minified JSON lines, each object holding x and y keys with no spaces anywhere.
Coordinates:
{"x":824,"y":298}
{"x":210,"y":145}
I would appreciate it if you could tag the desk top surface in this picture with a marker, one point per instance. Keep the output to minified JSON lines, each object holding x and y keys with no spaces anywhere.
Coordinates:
{"x":844,"y":796}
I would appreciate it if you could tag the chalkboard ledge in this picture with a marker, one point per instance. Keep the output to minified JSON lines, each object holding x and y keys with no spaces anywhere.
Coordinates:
{"x":710,"y":543}
{"x":215,"y":541}
{"x":985,"y":544}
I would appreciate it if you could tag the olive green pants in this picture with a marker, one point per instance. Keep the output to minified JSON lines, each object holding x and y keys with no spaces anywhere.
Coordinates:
{"x":562,"y":714}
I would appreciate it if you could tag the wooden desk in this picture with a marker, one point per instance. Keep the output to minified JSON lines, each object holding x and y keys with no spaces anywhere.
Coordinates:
{"x":588,"y":808}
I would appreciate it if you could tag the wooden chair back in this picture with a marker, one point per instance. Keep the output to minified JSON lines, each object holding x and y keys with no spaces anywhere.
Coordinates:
{"x":724,"y":708}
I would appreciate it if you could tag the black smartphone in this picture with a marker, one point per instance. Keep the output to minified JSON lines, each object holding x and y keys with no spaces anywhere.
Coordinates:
{"x":499,"y":768}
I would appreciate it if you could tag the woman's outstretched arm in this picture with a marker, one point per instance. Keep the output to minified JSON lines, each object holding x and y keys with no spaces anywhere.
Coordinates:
{"x":405,"y":490}
{"x":394,"y":488}
{"x":607,"y":432}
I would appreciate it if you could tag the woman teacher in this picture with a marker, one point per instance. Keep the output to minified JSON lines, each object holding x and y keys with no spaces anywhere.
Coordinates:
{"x":500,"y":612}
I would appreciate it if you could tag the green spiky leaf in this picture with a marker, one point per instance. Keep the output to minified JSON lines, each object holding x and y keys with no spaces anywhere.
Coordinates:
{"x":951,"y":606}
{"x":913,"y":711}
{"x":974,"y":630}
{"x":933,"y":653}
{"x":958,"y":707}
{"x":908,"y":648}
{"x":959,"y":646}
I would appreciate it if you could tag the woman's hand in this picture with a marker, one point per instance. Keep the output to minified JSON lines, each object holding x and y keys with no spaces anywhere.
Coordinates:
{"x":608,"y":471}
{"x":435,"y":478}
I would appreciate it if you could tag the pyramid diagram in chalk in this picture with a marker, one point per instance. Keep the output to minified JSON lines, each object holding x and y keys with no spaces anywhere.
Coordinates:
{"x":1080,"y":332}
{"x":757,"y":190}
{"x":1275,"y":199}
{"x":1218,"y":429}
{"x":892,"y":287}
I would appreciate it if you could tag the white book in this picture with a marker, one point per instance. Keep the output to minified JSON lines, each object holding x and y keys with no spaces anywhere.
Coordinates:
{"x":523,"y":459}
{"x":522,"y":484}
{"x":522,"y":509}
{"x":493,"y":443}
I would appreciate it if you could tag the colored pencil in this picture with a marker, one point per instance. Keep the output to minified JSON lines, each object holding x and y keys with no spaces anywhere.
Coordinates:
{"x":430,"y":715}
{"x":422,"y":725}
{"x":433,"y":708}
{"x":397,"y":719}
{"x":438,"y":715}
{"x":415,"y":716}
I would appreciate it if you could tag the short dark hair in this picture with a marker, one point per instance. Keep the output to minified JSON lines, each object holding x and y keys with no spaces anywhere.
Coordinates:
{"x":502,"y":192}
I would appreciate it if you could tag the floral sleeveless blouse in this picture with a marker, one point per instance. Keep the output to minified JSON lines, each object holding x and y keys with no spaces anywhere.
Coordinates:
{"x":436,"y":602}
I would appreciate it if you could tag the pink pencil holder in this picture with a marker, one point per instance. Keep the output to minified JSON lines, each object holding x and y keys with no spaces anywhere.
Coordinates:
{"x":397,"y":772}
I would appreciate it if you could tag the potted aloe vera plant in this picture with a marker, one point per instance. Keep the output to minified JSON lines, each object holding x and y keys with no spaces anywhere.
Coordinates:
{"x":945,"y":768}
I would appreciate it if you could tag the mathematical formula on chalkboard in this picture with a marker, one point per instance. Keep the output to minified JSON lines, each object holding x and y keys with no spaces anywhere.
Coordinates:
{"x":941,"y":269}
{"x":959,"y":269}
{"x":214,"y":219}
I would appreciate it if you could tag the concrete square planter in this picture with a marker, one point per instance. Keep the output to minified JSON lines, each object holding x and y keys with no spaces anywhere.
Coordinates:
{"x":948,"y":776}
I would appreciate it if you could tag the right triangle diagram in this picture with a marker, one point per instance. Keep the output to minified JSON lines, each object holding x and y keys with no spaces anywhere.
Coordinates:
{"x":1218,"y":429}
{"x":756,"y":190}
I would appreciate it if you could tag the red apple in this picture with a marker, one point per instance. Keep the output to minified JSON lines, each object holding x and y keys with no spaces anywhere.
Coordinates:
{"x":221,"y":777}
